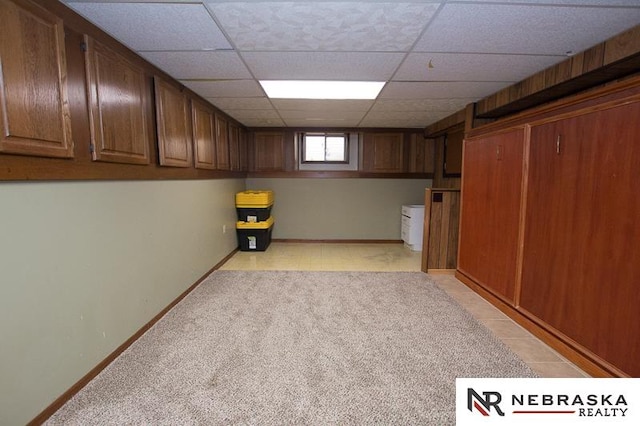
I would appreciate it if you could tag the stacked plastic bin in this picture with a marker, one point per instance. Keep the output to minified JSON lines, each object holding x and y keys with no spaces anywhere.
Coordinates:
{"x":255,"y":222}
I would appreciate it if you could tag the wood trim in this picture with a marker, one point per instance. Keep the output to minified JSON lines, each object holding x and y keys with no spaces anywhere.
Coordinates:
{"x":295,"y":240}
{"x":590,"y":363}
{"x":600,"y":98}
{"x":339,"y":174}
{"x":426,"y":230}
{"x":441,"y":271}
{"x":523,"y":209}
{"x":73,"y":390}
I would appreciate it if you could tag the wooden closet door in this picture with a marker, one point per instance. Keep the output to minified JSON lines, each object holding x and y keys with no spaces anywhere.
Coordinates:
{"x":490,"y":215}
{"x":581,"y":260}
{"x":34,"y":104}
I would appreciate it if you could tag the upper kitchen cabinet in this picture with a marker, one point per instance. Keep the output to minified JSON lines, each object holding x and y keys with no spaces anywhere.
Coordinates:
{"x":118,"y":93}
{"x":172,"y":118}
{"x":222,"y":143}
{"x":204,"y":143}
{"x":34,"y":103}
{"x":383,"y":152}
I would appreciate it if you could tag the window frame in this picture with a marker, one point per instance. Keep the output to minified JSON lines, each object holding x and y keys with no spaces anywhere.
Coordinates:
{"x":345,"y":138}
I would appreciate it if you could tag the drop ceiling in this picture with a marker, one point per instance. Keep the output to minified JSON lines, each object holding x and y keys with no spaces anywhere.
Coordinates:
{"x":435,"y":56}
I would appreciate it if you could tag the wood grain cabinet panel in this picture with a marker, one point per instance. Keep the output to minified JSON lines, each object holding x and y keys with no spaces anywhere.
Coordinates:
{"x":172,"y":120}
{"x":268,"y":151}
{"x":223,"y":154}
{"x":490,"y":215}
{"x":383,"y":152}
{"x":34,"y":102}
{"x":204,"y":143}
{"x":440,"y":237}
{"x":421,"y":154}
{"x":581,"y":258}
{"x":118,"y":103}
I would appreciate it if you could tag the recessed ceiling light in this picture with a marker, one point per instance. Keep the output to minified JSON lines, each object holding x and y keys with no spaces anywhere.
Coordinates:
{"x":302,"y":89}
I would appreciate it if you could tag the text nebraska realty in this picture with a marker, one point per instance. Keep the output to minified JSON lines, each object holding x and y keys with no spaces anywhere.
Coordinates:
{"x":586,"y":405}
{"x":590,"y":405}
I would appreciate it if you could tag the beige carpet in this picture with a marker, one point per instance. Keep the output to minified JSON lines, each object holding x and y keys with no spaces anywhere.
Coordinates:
{"x":292,"y":347}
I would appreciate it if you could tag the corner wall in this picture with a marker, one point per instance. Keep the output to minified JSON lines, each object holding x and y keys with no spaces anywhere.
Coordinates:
{"x":84,"y":265}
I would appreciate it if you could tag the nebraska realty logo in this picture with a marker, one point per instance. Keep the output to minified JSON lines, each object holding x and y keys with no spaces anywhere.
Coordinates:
{"x":554,"y":401}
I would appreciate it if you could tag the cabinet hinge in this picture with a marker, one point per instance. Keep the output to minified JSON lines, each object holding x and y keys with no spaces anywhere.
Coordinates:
{"x":83,"y":46}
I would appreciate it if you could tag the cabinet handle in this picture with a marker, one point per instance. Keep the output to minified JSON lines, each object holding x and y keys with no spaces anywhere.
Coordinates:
{"x":558,"y":145}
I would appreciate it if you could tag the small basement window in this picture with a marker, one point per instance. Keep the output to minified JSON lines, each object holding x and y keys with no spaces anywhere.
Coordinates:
{"x":325,"y":148}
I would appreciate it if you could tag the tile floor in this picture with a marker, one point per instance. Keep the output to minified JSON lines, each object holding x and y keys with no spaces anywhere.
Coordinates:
{"x":396,"y":257}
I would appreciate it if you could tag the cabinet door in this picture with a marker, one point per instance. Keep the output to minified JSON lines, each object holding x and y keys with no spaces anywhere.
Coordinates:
{"x":172,"y":117}
{"x":34,"y":104}
{"x":421,"y":154}
{"x":203,"y":136}
{"x":490,"y":216}
{"x":234,"y":146}
{"x":118,"y":106}
{"x":383,"y":152}
{"x":269,"y":151}
{"x":581,"y":259}
{"x":222,"y":143}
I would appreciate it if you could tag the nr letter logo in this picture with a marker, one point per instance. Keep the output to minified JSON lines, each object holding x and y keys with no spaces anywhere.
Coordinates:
{"x":483,"y":404}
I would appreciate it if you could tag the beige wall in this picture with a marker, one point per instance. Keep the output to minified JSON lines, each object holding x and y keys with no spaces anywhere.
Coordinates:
{"x":85,"y":264}
{"x":340,"y":208}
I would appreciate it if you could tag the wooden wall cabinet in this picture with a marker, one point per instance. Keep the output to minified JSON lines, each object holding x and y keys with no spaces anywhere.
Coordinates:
{"x":440,"y":240}
{"x":421,"y":154}
{"x":490,"y":217}
{"x":268,"y":150}
{"x":383,"y":152}
{"x":237,"y":148}
{"x":204,"y":142}
{"x":223,"y":157}
{"x":118,"y":92}
{"x":549,"y":227}
{"x":34,"y":102}
{"x":172,"y":121}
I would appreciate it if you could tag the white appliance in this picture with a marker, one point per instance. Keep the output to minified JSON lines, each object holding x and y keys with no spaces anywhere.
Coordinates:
{"x":412,"y":226}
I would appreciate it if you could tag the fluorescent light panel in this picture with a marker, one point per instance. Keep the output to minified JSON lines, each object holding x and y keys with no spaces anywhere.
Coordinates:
{"x":301,"y":89}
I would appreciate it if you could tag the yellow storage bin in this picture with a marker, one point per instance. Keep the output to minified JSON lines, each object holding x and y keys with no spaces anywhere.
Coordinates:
{"x":255,"y":225}
{"x":253,"y":199}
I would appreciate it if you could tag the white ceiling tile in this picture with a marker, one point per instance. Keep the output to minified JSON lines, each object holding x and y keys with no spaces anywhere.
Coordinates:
{"x":241,"y":114}
{"x":241,"y":103}
{"x":322,"y":105}
{"x":319,"y":25}
{"x":427,"y":105}
{"x":472,"y":66}
{"x":371,"y":66}
{"x":528,"y":29}
{"x":146,"y":26}
{"x":321,"y":123}
{"x":441,"y":90}
{"x":261,"y":122}
{"x":325,"y":115}
{"x":403,"y":123}
{"x":606,"y":3}
{"x":199,"y":65}
{"x":225,"y":88}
